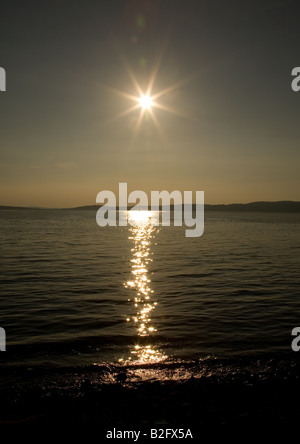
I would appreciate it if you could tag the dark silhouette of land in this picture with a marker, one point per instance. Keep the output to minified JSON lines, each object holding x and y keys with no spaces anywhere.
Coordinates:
{"x":280,"y":206}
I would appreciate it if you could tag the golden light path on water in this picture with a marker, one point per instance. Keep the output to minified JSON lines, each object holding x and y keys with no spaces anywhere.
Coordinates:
{"x":141,"y":233}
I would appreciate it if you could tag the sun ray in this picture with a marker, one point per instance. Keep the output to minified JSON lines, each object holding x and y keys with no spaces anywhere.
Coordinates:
{"x":138,"y":123}
{"x":121,"y":93}
{"x":155,"y":70}
{"x":122,"y":113}
{"x":172,"y":88}
{"x":132,"y":77}
{"x":168,"y":109}
{"x":158,"y":126}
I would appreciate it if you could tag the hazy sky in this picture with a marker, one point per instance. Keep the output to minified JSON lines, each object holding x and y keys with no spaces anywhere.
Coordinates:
{"x":232,"y":127}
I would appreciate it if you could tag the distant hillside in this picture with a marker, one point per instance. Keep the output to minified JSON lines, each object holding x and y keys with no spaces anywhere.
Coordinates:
{"x":282,"y":207}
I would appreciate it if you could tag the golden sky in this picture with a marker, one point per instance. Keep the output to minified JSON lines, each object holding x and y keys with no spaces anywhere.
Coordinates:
{"x":224,"y":119}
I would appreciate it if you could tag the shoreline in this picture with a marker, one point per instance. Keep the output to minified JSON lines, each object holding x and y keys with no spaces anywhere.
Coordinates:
{"x":170,"y":394}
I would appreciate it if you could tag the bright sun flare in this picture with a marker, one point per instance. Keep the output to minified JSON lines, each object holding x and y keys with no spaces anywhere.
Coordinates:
{"x":145,"y":102}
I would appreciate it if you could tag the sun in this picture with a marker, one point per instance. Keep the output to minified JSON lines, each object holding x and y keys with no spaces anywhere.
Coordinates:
{"x":146,"y":102}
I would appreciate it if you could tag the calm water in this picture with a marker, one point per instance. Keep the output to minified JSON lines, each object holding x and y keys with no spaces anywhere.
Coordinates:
{"x":74,"y":292}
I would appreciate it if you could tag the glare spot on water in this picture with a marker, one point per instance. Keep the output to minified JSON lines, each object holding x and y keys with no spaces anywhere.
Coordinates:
{"x":147,"y":354}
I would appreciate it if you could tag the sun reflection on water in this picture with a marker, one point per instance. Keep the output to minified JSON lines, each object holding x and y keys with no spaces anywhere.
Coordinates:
{"x":142,"y":231}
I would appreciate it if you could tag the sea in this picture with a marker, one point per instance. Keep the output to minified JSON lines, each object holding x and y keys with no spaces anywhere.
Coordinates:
{"x":144,"y":302}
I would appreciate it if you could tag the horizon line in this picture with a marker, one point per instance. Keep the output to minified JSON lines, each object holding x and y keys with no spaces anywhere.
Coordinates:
{"x":263,"y":202}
